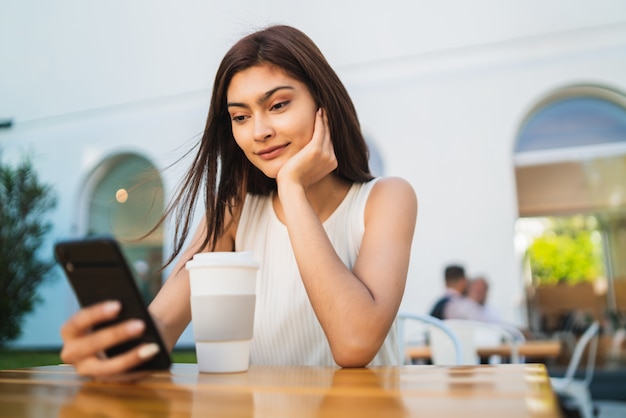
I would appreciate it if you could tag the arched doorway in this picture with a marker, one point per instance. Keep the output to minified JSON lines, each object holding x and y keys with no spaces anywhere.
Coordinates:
{"x":125,"y":201}
{"x":376,"y":163}
{"x":570,"y":163}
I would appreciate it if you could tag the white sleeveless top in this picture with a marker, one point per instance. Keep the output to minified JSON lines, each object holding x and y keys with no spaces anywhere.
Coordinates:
{"x":286,"y":330}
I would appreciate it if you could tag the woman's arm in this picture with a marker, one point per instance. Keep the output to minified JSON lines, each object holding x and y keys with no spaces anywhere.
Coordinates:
{"x":171,"y":307}
{"x":355,"y":308}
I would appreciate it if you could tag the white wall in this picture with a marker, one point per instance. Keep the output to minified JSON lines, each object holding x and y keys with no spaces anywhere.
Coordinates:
{"x":440,"y":86}
{"x":448,"y":123}
{"x":69,"y":55}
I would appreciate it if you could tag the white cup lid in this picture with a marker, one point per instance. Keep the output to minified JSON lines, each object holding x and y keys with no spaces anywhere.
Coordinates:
{"x":223,"y":259}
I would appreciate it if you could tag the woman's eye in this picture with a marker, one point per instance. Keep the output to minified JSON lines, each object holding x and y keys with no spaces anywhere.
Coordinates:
{"x":280,"y":105}
{"x":239,"y":118}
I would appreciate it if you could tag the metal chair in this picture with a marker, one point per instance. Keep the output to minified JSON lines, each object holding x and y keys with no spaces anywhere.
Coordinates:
{"x":477,"y":333}
{"x":446,"y":351}
{"x":578,"y":389}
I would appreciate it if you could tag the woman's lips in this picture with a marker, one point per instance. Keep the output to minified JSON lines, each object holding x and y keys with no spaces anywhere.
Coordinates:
{"x":272,"y":152}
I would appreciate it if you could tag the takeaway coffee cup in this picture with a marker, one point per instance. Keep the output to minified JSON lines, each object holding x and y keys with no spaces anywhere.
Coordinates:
{"x":223,"y":297}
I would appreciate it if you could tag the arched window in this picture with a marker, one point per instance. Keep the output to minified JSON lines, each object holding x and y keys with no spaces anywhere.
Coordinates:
{"x":376,"y":163}
{"x":570,"y":154}
{"x":570,"y":159}
{"x":577,"y":121}
{"x":125,"y":201}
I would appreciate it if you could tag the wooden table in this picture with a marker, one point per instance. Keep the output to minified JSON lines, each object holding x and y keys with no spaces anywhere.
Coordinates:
{"x":531,"y":350}
{"x":519,"y":390}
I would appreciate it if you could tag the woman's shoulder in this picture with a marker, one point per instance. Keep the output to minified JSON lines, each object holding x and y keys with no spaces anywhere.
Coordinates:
{"x":392,"y":195}
{"x":391,"y":186}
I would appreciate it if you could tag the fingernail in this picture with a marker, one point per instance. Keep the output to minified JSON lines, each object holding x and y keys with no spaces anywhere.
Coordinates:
{"x":135,"y":326}
{"x":112,"y":306}
{"x":148,"y":350}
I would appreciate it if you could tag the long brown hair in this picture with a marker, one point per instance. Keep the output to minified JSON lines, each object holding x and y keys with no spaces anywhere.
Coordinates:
{"x":221,"y":170}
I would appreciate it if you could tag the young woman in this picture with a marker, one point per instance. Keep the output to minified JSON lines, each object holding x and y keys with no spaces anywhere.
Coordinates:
{"x":283,"y":168}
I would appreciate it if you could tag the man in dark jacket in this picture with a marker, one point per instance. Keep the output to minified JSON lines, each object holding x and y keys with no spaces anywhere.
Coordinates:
{"x":456,"y":286}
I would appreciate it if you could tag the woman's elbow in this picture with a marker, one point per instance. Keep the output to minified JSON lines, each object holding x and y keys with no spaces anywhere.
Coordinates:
{"x":354,"y":353}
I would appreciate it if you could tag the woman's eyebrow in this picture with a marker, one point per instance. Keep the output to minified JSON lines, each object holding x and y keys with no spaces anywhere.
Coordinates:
{"x":261,"y":99}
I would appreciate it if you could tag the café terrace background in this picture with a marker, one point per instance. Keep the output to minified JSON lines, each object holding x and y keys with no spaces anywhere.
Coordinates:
{"x":442,"y":89}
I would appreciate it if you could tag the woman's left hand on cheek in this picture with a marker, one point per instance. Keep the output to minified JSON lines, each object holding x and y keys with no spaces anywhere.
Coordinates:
{"x":316,"y":160}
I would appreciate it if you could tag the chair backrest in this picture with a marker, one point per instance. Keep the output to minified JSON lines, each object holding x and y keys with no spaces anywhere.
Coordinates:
{"x":589,"y":337}
{"x":447,"y":350}
{"x":515,"y":332}
{"x":474,"y":334}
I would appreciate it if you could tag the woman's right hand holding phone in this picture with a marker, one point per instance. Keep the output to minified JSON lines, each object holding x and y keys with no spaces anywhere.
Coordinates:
{"x":83,"y":347}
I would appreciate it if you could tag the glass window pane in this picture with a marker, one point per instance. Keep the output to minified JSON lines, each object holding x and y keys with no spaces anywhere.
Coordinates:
{"x":573,"y":122}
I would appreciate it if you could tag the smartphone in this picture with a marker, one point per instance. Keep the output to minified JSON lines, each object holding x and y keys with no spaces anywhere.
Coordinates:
{"x":97,"y":271}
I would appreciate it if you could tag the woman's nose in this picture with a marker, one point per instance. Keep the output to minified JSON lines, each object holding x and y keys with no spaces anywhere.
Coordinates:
{"x":262,"y":129}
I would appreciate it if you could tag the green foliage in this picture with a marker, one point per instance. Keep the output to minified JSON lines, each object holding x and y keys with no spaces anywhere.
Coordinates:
{"x":23,"y":202}
{"x":17,"y":359}
{"x":570,"y":250}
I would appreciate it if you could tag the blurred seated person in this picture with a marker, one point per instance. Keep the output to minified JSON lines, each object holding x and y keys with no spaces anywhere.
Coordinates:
{"x":456,"y":286}
{"x":463,"y":299}
{"x":477,"y":290}
{"x":471,"y":307}
{"x":474,"y":306}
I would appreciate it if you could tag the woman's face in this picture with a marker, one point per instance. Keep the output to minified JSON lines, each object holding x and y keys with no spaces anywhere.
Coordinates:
{"x":272,"y":116}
